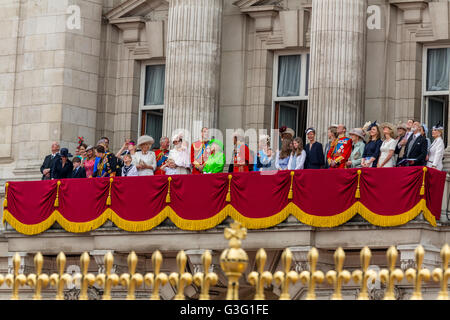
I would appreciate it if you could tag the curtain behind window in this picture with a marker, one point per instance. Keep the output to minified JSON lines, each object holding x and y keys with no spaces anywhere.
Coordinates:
{"x":154,"y":85}
{"x":438,"y":69}
{"x":289,"y":76}
{"x":153,"y":125}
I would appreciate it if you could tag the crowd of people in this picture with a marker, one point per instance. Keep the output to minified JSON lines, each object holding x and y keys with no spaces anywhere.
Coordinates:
{"x":373,"y":145}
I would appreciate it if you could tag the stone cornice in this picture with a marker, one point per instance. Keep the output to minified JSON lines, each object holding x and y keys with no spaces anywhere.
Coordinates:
{"x":412,"y":9}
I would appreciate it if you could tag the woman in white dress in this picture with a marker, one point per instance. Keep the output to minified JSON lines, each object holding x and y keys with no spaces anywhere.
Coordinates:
{"x":387,"y":158}
{"x":437,"y":148}
{"x":179,"y":159}
{"x":145,"y":160}
{"x":298,"y":155}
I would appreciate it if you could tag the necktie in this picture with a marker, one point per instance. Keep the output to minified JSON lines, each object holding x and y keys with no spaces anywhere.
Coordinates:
{"x":411,"y":145}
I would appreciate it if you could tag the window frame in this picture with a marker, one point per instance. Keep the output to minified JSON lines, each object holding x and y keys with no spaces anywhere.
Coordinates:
{"x":142,"y":106}
{"x":304,"y":79}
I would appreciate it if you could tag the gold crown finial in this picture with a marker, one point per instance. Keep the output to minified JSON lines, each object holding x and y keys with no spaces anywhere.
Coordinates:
{"x":286,"y":277}
{"x":418,"y":275}
{"x":38,"y":280}
{"x":84,"y":278}
{"x":205,"y":279}
{"x":131,"y":280}
{"x":365,"y":275}
{"x":234,"y":260}
{"x":338,"y":276}
{"x":312,"y":276}
{"x":59,"y":280}
{"x":182,"y":279}
{"x":108,"y":279}
{"x":15,"y":280}
{"x":389,"y":276}
{"x":156,"y":278}
{"x":442,"y":275}
{"x":260,"y":277}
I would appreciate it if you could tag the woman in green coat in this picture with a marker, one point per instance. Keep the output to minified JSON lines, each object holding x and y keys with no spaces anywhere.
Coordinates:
{"x":216,"y":160}
{"x":357,"y":136}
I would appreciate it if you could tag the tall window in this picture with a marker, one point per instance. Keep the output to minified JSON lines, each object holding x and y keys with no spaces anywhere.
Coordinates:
{"x":152,"y":101}
{"x":436,"y":88}
{"x":290,"y":92}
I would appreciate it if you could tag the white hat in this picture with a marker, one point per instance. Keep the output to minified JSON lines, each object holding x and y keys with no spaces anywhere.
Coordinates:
{"x":145,"y":139}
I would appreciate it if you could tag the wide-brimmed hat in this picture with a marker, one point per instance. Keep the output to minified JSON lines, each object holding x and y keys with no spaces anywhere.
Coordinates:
{"x":89,"y":148}
{"x":64,"y":152}
{"x":145,"y":139}
{"x":390,"y":126}
{"x":402,"y":125}
{"x":358,"y":132}
{"x":438,"y":126}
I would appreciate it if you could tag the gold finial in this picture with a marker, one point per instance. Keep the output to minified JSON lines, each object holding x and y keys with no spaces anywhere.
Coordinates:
{"x":15,"y":280}
{"x":418,"y":275}
{"x":365,"y":275}
{"x":285,"y":277}
{"x":86,"y":279}
{"x":108,"y":279}
{"x":260,"y":277}
{"x":156,"y":279}
{"x":205,"y":279}
{"x":234,"y":260}
{"x":389,"y":276}
{"x":313,"y":276}
{"x":131,"y":280}
{"x":339,"y":275}
{"x":182,"y":279}
{"x":61,"y":279}
{"x":442,"y":275}
{"x":38,"y":280}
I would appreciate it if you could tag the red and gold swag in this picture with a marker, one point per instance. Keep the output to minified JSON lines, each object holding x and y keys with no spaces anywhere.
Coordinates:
{"x":320,"y":198}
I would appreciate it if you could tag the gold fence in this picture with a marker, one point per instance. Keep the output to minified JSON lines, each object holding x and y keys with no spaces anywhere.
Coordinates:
{"x":233,"y":262}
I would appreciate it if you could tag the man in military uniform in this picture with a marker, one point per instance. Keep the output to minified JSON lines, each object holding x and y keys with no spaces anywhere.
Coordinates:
{"x":200,"y":152}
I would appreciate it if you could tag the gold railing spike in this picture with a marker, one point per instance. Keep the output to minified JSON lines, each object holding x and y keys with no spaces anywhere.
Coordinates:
{"x":38,"y":280}
{"x":15,"y":280}
{"x":60,"y":279}
{"x":84,"y":278}
{"x":108,"y":279}
{"x":234,"y":260}
{"x":313,"y":276}
{"x":205,"y":279}
{"x":182,"y":279}
{"x":364,"y":275}
{"x":419,"y":274}
{"x":338,"y":276}
{"x":260,"y":278}
{"x":156,"y":279}
{"x":287,"y":276}
{"x":392,"y":274}
{"x":131,"y":280}
{"x":442,"y":275}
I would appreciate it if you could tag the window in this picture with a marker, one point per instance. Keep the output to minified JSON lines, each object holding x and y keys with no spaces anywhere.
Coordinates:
{"x":290,"y":92}
{"x":436,"y":88}
{"x":152,"y":101}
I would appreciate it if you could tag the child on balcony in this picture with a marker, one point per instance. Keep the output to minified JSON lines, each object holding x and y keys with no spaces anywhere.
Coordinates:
{"x":129,"y":169}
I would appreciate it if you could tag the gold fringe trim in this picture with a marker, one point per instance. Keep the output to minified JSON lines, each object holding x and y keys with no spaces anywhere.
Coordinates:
{"x":5,"y":202}
{"x":228,"y":211}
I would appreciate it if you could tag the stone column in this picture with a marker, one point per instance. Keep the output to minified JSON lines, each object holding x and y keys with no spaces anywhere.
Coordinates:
{"x":192,"y":65}
{"x":336,"y":89}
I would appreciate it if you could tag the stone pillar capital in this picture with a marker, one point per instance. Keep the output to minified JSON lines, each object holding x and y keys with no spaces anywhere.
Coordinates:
{"x":130,"y":26}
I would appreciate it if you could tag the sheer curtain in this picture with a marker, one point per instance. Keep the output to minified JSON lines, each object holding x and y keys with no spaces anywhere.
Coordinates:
{"x":154,"y":85}
{"x":289,"y":76}
{"x":438,"y":69}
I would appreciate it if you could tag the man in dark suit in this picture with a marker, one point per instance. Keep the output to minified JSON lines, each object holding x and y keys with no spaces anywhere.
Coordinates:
{"x":417,"y":147}
{"x":78,"y":171}
{"x":49,"y":162}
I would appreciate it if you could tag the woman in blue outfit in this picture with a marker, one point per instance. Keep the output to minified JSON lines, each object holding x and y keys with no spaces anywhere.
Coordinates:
{"x":372,"y":148}
{"x":314,"y":151}
{"x":264,"y":159}
{"x":283,"y":155}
